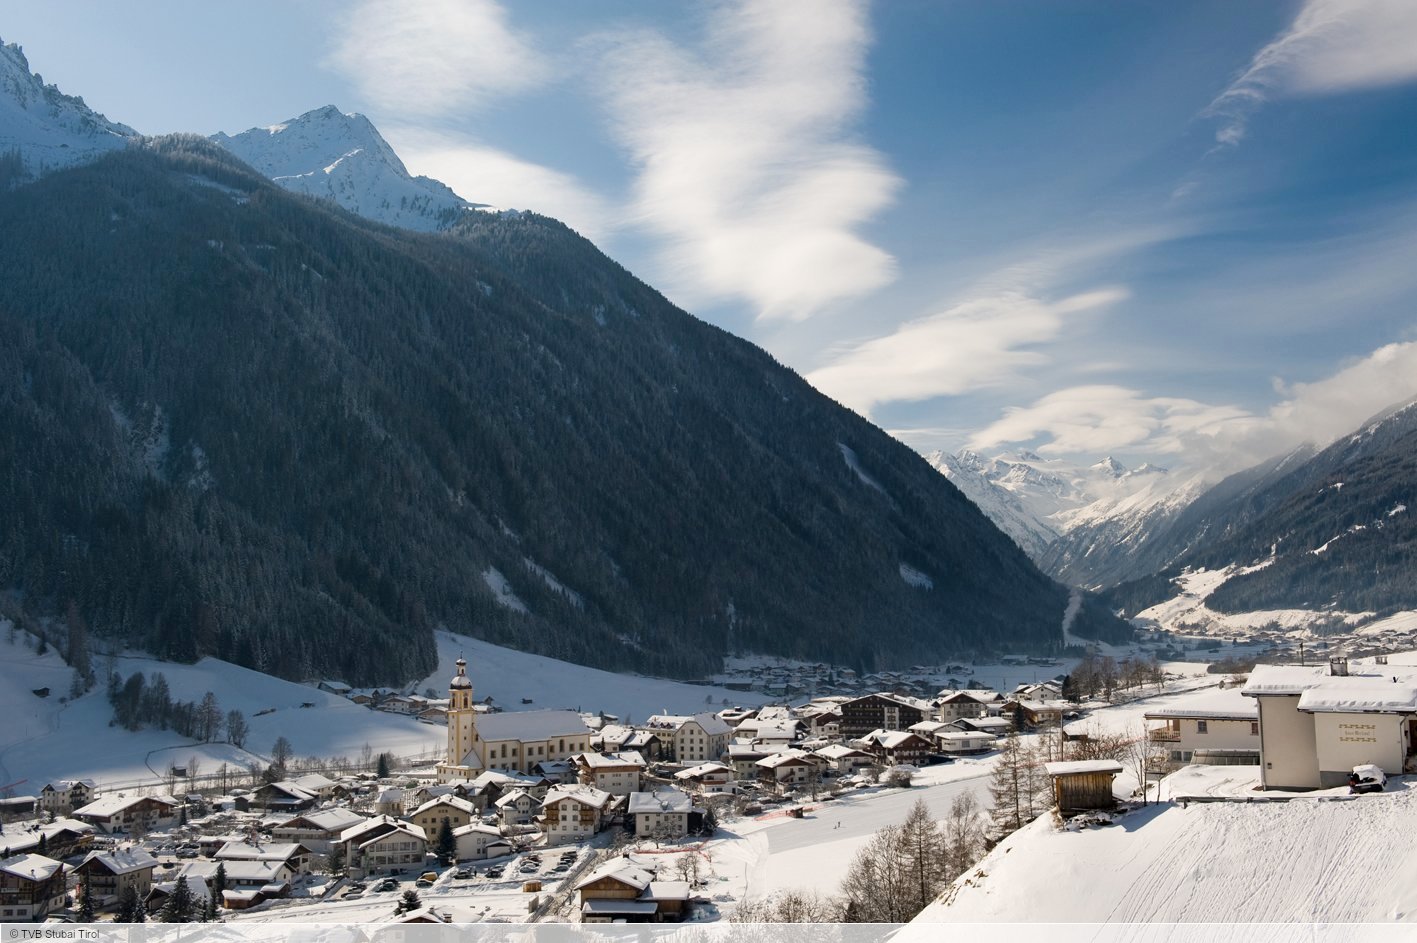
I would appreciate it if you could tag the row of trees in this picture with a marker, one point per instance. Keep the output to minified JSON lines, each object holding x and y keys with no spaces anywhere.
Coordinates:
{"x":1104,"y":676}
{"x":139,"y":703}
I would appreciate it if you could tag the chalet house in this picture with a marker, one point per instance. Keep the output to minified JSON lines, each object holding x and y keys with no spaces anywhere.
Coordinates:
{"x":557,"y":771}
{"x":896,"y":747}
{"x":383,"y":845}
{"x":63,"y":796}
{"x":744,"y":757}
{"x":287,"y":860}
{"x":616,"y":773}
{"x":335,"y":687}
{"x":964,"y":742}
{"x":284,"y":796}
{"x":929,"y":728}
{"x":110,"y":873}
{"x":574,"y":813}
{"x":1218,"y":728}
{"x":321,"y":786}
{"x":517,"y":807}
{"x":1035,"y":714}
{"x":478,"y":841}
{"x":1317,"y":723}
{"x":844,"y":760}
{"x":618,"y":892}
{"x":433,"y":813}
{"x":1080,"y":785}
{"x":788,"y":769}
{"x":133,"y":815}
{"x":663,"y":814}
{"x":860,"y":716}
{"x":707,"y":778}
{"x":697,"y":738}
{"x":390,"y":801}
{"x":494,"y":784}
{"x":317,"y":830}
{"x":614,"y":738}
{"x":954,"y":705}
{"x":998,"y":726}
{"x":198,"y":886}
{"x":30,"y":887}
{"x":18,"y":807}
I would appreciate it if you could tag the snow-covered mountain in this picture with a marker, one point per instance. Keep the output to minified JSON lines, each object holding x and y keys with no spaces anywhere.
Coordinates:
{"x":341,"y":157}
{"x":1074,"y":520}
{"x":44,"y":128}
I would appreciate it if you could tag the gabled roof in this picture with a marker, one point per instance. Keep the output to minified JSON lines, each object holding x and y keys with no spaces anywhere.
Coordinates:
{"x":619,"y":870}
{"x":329,"y":820}
{"x":108,"y":806}
{"x":121,"y":860}
{"x":1082,"y":766}
{"x":611,"y":760}
{"x":462,"y":805}
{"x":314,"y":782}
{"x":477,"y":828}
{"x":664,"y":801}
{"x":712,"y":724}
{"x":891,"y":739}
{"x":515,"y":796}
{"x":703,"y":769}
{"x":246,"y":851}
{"x":530,"y":725}
{"x":30,"y":867}
{"x":785,"y":758}
{"x":379,"y":825}
{"x":840,"y":751}
{"x":586,"y":795}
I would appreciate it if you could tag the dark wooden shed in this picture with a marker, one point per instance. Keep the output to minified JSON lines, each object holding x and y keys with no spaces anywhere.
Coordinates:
{"x":1081,"y":785}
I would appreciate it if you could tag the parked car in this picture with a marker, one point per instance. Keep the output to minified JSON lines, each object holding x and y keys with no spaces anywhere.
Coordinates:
{"x":422,"y":882}
{"x":1367,"y":778}
{"x":387,"y":884}
{"x":462,"y":874}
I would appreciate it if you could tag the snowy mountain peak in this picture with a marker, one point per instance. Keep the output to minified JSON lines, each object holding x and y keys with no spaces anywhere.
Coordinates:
{"x":1110,"y":466}
{"x":332,"y":155}
{"x":47,"y":129}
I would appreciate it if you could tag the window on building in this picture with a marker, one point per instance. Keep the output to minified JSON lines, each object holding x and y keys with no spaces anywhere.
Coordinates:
{"x":1202,"y":727}
{"x":1254,"y":728}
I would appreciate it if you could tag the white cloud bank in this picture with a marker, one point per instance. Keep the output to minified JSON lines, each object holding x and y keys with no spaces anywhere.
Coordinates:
{"x":1332,"y":46}
{"x":1089,"y":420}
{"x":486,"y":175}
{"x":433,"y":57}
{"x":747,"y":165}
{"x":970,"y":346}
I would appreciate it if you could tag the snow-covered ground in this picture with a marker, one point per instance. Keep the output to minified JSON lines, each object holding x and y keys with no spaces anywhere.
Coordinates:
{"x":1187,"y":613}
{"x":1329,"y":859}
{"x":510,"y":677}
{"x":46,"y":738}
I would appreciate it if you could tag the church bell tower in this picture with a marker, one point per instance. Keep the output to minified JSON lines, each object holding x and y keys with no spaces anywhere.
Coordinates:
{"x":462,"y":719}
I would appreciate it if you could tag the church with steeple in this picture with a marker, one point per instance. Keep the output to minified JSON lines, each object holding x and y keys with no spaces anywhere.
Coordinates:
{"x":514,"y":741}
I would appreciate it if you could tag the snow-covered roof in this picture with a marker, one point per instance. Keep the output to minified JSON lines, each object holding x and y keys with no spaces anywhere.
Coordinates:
{"x":1360,"y":696}
{"x":477,"y":828}
{"x":668,"y":890}
{"x":330,"y":820}
{"x":1071,"y":767}
{"x":890,"y":739}
{"x":514,"y":796}
{"x":838,"y":751}
{"x":703,"y":769}
{"x":1227,"y":704}
{"x":530,"y":725}
{"x":956,"y":736}
{"x":246,"y":851}
{"x":462,"y":805}
{"x":314,"y":782}
{"x":712,"y":724}
{"x":30,"y":867}
{"x":784,"y":758}
{"x":660,"y":801}
{"x":1282,"y":679}
{"x":109,"y":806}
{"x":611,"y":760}
{"x":122,"y":860}
{"x":586,"y":795}
{"x":622,"y":871}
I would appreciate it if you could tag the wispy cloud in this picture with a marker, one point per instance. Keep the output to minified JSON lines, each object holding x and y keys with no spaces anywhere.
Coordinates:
{"x":1090,"y":420}
{"x":433,"y":57}
{"x":1332,"y":46}
{"x":487,"y":175}
{"x":974,"y":345}
{"x":747,"y":163}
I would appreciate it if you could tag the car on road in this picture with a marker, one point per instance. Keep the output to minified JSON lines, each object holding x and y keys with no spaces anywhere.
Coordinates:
{"x":388,"y":884}
{"x":1367,"y":778}
{"x":462,"y":874}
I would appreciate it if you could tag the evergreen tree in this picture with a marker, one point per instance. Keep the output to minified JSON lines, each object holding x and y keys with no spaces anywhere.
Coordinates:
{"x":447,"y":845}
{"x":87,"y":908}
{"x":922,"y":857}
{"x":1007,"y":787}
{"x":130,"y":907}
{"x":335,"y":863}
{"x":383,"y":769}
{"x":209,"y":909}
{"x":180,"y":906}
{"x":219,"y":879}
{"x":409,"y":902}
{"x":43,"y":847}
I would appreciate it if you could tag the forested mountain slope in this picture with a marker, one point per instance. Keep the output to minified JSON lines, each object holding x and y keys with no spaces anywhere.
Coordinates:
{"x":236,"y":421}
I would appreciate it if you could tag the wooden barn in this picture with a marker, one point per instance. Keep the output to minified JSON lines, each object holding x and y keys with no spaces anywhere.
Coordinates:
{"x":1081,"y":785}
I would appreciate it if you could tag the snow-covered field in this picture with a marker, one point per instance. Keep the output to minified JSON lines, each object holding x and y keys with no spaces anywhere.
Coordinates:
{"x":44,"y":738}
{"x":510,"y":677}
{"x":1323,"y":858}
{"x":1186,"y":612}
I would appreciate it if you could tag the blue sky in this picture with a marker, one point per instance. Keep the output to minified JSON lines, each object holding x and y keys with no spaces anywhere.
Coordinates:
{"x":1175,"y":232}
